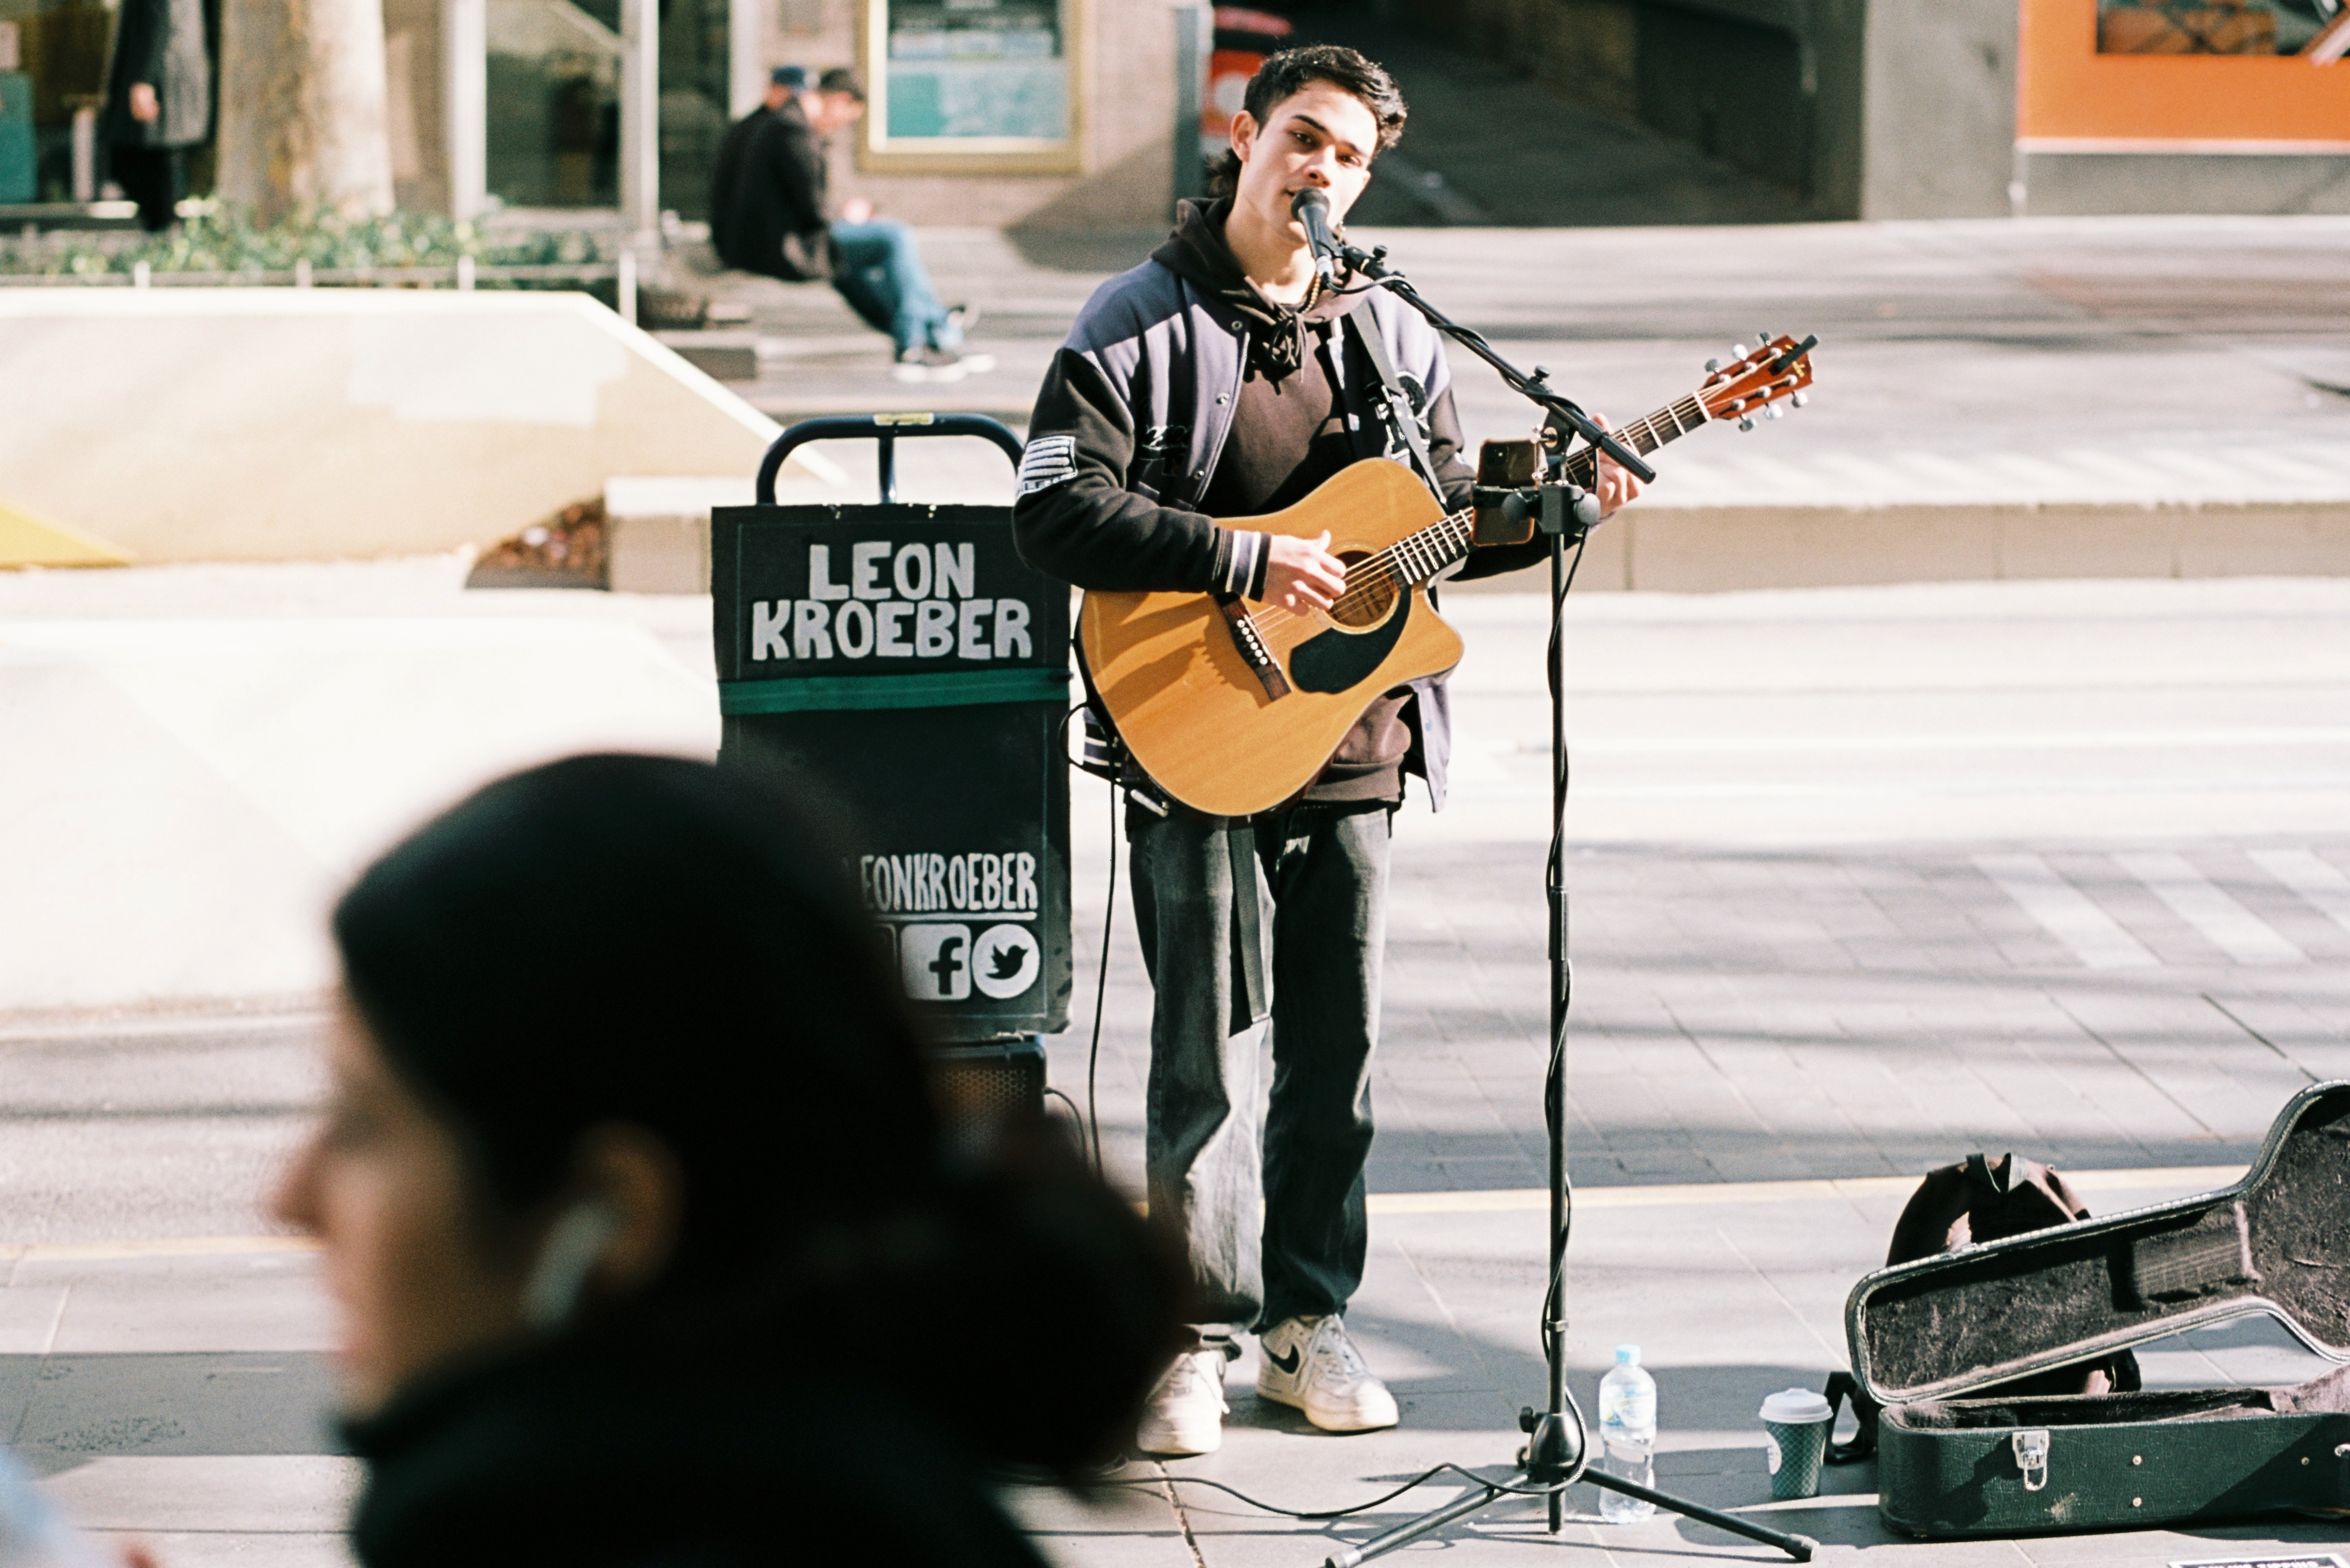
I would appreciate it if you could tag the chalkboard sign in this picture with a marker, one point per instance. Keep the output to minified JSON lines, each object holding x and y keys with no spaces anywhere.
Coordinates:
{"x":905,"y":663}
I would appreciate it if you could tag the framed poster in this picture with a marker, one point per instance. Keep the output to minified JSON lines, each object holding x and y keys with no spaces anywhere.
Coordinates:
{"x":979,"y":85}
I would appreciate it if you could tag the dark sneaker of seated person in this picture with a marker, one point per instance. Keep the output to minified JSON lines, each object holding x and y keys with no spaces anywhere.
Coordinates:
{"x":771,"y":212}
{"x":646,"y":1246}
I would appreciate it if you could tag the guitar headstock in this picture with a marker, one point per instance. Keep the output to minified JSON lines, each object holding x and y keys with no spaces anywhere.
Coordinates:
{"x":1757,"y":382}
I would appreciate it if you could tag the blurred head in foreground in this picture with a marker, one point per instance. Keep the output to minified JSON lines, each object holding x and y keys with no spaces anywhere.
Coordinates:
{"x":633,"y":1198}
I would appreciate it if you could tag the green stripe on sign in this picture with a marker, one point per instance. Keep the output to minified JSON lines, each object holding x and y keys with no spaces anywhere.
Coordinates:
{"x":834,"y":693}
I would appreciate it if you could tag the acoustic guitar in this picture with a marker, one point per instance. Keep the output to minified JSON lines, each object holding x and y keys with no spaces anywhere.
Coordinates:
{"x":1234,"y":706}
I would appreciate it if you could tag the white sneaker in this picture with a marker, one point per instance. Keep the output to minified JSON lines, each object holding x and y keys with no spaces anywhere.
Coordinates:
{"x":1186,"y":1412}
{"x":1310,"y":1363}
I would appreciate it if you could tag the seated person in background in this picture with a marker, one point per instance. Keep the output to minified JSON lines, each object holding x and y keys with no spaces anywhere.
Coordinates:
{"x":769,"y":213}
{"x":647,"y":1247}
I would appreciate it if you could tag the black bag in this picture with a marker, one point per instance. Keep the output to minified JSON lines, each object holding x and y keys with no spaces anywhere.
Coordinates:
{"x":1955,"y":1348}
{"x":1967,"y":1204}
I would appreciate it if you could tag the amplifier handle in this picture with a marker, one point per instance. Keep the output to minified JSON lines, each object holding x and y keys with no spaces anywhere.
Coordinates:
{"x":885,"y":428}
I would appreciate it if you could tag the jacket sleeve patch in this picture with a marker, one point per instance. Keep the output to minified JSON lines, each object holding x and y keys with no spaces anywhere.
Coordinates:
{"x":1049,"y":461}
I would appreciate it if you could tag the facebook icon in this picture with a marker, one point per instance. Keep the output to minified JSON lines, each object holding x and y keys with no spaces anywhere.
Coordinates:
{"x":934,"y":961}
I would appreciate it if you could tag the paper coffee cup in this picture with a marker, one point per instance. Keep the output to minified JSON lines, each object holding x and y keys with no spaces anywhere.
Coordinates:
{"x":1796,"y":1427}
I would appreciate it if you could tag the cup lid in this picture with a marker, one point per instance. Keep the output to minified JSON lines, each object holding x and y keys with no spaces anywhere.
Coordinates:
{"x":1796,"y":1406}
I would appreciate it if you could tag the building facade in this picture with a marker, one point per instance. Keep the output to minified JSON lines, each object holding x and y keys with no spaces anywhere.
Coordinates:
{"x":1051,"y":113}
{"x":1933,"y":108}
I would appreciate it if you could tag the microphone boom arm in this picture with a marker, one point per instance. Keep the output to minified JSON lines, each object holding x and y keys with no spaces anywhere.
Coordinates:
{"x":1372,"y":266}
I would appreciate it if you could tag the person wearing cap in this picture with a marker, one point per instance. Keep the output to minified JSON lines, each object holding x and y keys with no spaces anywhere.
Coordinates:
{"x":769,"y":212}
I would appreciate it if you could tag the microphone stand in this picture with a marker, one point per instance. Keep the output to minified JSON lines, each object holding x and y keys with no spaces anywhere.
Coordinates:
{"x":1557,"y":1451}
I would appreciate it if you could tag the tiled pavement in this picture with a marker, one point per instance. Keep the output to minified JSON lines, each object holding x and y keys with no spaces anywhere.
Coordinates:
{"x":1863,"y":881}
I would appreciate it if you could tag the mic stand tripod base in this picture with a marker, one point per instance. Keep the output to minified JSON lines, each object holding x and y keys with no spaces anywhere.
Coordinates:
{"x":1798,"y":1547}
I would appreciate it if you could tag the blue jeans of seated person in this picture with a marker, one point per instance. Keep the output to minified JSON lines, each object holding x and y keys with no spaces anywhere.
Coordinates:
{"x":882,"y":279}
{"x":1217,"y":1141}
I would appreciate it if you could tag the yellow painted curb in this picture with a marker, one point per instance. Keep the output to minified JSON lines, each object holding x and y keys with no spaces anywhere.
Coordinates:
{"x":27,"y":540}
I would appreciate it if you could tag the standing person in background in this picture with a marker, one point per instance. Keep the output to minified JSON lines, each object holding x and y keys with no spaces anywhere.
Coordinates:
{"x":770,"y":212}
{"x":159,"y":95}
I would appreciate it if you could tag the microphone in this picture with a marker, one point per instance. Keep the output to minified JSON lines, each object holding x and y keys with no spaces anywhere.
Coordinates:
{"x":1311,"y":208}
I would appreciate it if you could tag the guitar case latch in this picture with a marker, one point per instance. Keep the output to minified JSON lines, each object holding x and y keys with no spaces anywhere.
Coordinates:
{"x":2031,"y":1457}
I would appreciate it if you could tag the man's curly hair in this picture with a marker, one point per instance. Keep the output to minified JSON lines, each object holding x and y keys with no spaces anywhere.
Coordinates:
{"x":1289,"y":72}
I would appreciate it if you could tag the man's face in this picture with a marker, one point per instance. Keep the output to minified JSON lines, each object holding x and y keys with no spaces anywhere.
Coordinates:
{"x":1320,"y":137}
{"x":832,"y":112}
{"x":778,"y":95}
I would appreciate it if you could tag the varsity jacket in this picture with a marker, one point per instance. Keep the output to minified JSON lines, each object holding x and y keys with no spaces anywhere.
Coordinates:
{"x":1134,"y":414}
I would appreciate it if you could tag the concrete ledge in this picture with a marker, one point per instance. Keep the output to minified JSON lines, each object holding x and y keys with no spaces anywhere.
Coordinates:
{"x":1722,"y":549}
{"x":2120,"y":183}
{"x":659,"y":530}
{"x":288,"y":424}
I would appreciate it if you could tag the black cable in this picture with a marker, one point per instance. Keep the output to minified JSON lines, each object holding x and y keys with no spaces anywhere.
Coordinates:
{"x":1101,"y":987}
{"x":1076,"y":1115}
{"x":1089,"y":1123}
{"x":1554,"y":874}
{"x":1417,"y":1481}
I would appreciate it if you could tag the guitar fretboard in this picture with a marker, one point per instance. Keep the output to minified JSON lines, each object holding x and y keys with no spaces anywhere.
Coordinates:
{"x":1417,"y":557}
{"x":1668,"y":423}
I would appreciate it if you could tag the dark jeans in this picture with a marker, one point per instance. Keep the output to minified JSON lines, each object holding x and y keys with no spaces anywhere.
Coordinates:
{"x":1285,"y":917}
{"x":151,"y":176}
{"x":882,"y":279}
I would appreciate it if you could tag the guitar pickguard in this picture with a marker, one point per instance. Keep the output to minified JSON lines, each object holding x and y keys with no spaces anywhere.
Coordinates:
{"x":1335,"y":660}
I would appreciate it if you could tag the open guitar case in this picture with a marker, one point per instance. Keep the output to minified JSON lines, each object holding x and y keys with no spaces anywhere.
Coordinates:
{"x":1931,"y":1340}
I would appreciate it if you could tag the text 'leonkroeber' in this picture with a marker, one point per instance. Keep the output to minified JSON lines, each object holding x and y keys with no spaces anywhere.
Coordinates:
{"x":910,"y":601}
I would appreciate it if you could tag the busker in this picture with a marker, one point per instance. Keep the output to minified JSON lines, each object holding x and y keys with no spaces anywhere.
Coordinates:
{"x":770,"y":212}
{"x":1221,"y":378}
{"x":629,"y":1253}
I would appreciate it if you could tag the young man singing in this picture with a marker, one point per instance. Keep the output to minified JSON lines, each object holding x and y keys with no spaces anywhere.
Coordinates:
{"x":1221,"y":378}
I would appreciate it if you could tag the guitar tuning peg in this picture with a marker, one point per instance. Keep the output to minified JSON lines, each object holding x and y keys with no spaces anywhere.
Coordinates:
{"x":1775,"y":412}
{"x":1761,"y":339}
{"x":1712,"y":366}
{"x":1746,"y":423}
{"x":1738,"y":349}
{"x":1800,"y":399}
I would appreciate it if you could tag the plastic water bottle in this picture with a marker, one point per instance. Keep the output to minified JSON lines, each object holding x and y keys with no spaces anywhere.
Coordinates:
{"x":1627,"y":1433}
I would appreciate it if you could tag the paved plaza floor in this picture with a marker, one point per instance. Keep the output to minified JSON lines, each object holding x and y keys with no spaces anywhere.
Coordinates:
{"x":1865,"y":880}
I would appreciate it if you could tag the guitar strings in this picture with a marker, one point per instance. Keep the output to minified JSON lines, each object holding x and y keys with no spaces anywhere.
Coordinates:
{"x":1374,"y":572}
{"x":1381,"y":570}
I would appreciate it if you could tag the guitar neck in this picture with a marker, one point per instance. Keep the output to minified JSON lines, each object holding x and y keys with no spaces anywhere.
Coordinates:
{"x":1423,"y":554}
{"x":1668,"y":423}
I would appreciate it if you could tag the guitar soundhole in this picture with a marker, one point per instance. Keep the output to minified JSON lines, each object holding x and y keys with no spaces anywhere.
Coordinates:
{"x":1369,"y":596}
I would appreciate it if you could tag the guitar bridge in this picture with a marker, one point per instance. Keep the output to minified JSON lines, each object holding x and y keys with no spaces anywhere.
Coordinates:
{"x":1251,"y":642}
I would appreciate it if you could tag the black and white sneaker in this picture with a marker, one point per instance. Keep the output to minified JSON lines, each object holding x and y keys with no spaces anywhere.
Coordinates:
{"x":917,"y":365}
{"x":1310,"y":1363}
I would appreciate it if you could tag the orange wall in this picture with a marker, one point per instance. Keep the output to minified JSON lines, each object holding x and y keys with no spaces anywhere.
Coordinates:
{"x":2066,"y":89}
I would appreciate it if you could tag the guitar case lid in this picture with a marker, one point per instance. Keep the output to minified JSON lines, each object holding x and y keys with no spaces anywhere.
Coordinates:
{"x":2277,"y":1241}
